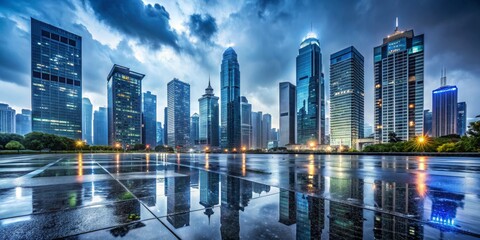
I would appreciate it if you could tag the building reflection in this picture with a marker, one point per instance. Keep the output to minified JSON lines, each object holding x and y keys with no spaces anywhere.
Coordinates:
{"x":287,"y":205}
{"x":209,"y":191}
{"x":444,"y":206}
{"x":177,"y":190}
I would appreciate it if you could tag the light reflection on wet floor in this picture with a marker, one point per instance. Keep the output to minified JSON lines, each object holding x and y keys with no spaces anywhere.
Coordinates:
{"x":197,"y":196}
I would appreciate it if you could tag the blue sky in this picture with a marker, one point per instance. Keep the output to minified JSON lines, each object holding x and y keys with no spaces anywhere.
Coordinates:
{"x":185,"y":39}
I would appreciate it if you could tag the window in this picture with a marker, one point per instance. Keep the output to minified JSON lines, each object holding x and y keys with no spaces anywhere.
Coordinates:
{"x":64,"y":40}
{"x":45,"y":34}
{"x":62,"y":79}
{"x":45,"y":76}
{"x":72,"y":42}
{"x":55,"y":37}
{"x":54,"y":78}
{"x":69,"y":81}
{"x":77,"y":83}
{"x":36,"y":74}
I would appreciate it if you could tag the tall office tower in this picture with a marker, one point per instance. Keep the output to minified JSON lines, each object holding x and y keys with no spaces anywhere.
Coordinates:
{"x":246,"y":119}
{"x":398,"y":77}
{"x":178,"y":100}
{"x":310,"y":93}
{"x":444,"y":109}
{"x":56,"y":80}
{"x":461,"y":118}
{"x":287,"y":114}
{"x":159,"y":139}
{"x":23,"y":122}
{"x":256,"y":130}
{"x":346,"y":97}
{"x":194,"y":129}
{"x":165,"y":126}
{"x":100,"y":127}
{"x":87,"y":121}
{"x":427,"y":122}
{"x":266,"y":128}
{"x":7,"y":119}
{"x":208,"y":123}
{"x":149,"y":113}
{"x":230,"y":97}
{"x":273,"y":134}
{"x":124,"y":90}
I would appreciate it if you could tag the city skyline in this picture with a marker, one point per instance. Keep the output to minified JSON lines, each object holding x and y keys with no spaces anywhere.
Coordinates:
{"x":110,"y":44}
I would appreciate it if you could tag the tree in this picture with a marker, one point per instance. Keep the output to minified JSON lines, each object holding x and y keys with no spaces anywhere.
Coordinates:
{"x":392,"y":137}
{"x":14,"y":145}
{"x":474,"y":133}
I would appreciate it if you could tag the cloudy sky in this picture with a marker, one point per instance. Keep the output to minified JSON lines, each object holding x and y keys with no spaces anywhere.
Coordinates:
{"x":185,"y":39}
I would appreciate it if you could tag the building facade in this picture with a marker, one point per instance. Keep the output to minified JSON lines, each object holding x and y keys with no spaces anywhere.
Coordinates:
{"x":230,"y":100}
{"x":87,"y":121}
{"x":287,"y":114}
{"x":23,"y":122}
{"x":159,"y":134}
{"x":165,"y":126}
{"x":149,"y":114}
{"x":56,"y":80}
{"x":100,"y":127}
{"x":209,"y":117}
{"x":7,"y":119}
{"x":444,"y":111}
{"x":266,"y":129}
{"x":310,"y":94}
{"x":427,"y":123}
{"x":124,"y":91}
{"x":462,"y":118}
{"x":256,"y":130}
{"x":194,"y":129}
{"x":346,"y":97}
{"x":178,"y":100}
{"x":246,"y":123}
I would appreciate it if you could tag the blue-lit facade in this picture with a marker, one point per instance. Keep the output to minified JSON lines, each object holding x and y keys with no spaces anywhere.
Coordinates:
{"x":444,"y":111}
{"x":346,"y":97}
{"x":230,"y":100}
{"x":56,"y":80}
{"x":23,"y":122}
{"x":208,"y":132}
{"x":124,"y":92}
{"x":178,"y":100}
{"x":462,"y":118}
{"x":399,"y":84}
{"x":149,"y":113}
{"x":100,"y":127}
{"x":159,"y":134}
{"x":87,"y":121}
{"x":310,"y":95}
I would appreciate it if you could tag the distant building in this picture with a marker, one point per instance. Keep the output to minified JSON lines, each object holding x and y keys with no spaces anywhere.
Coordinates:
{"x":100,"y":127}
{"x":159,"y":134}
{"x":444,"y":109}
{"x":87,"y":121}
{"x":124,"y":106}
{"x":7,"y":119}
{"x":256,"y":130}
{"x":462,"y":118}
{"x":209,"y":118}
{"x":274,"y":135}
{"x":149,"y":114}
{"x":56,"y":80}
{"x":427,"y":123}
{"x":194,"y":129}
{"x":178,"y":99}
{"x":287,"y":114}
{"x":246,"y":120}
{"x":165,"y":126}
{"x":266,"y":128}
{"x":367,"y":130}
{"x":23,"y":122}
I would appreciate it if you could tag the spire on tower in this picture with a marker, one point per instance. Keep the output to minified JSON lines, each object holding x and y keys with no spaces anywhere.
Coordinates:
{"x":396,"y":24}
{"x":443,"y":78}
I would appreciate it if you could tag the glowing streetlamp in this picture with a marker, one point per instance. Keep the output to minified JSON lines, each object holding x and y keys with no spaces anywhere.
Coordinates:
{"x":79,"y":144}
{"x":421,"y":139}
{"x":117,"y":146}
{"x":244,"y":149}
{"x":226,"y":150}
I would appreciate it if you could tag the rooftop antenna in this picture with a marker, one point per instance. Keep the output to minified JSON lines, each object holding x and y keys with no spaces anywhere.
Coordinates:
{"x":396,"y":24}
{"x":443,"y":79}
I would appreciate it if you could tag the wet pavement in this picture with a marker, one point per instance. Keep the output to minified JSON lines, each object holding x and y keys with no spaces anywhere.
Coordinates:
{"x":220,"y":196}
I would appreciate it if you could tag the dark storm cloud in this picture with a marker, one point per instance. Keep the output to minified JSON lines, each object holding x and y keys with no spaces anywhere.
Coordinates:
{"x":203,"y":26}
{"x":13,"y":67}
{"x":147,"y":23}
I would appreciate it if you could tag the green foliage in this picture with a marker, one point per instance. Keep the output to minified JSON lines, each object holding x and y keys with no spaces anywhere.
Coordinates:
{"x":392,"y":137}
{"x":447,"y":147}
{"x":1,"y":147}
{"x":139,"y":147}
{"x":14,"y":145}
{"x":40,"y":141}
{"x":162,"y":148}
{"x":7,"y":137}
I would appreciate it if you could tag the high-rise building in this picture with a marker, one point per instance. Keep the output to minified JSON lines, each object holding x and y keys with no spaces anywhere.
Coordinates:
{"x":346,"y":97}
{"x":287,"y":114}
{"x":7,"y":119}
{"x":100,"y":127}
{"x":208,"y":123}
{"x":398,"y":77}
{"x":165,"y":126}
{"x":149,"y":113}
{"x":444,"y":109}
{"x":87,"y":121}
{"x":257,"y":130}
{"x":178,"y":99}
{"x":427,"y":123}
{"x":273,"y":134}
{"x":159,"y":134}
{"x":124,"y":90}
{"x":56,"y":80}
{"x":310,"y":95}
{"x":367,"y":130}
{"x":266,"y":128}
{"x":246,"y":119}
{"x":462,"y":118}
{"x":194,"y":129}
{"x":23,"y":122}
{"x":230,"y":100}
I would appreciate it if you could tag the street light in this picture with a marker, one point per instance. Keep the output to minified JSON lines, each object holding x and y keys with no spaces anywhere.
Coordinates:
{"x":244,"y":148}
{"x":117,"y":146}
{"x":79,"y":144}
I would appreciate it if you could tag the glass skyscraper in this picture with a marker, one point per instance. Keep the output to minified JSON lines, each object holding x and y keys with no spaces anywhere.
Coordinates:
{"x":149,"y":113}
{"x":100,"y":127}
{"x":56,"y":80}
{"x":266,"y":128}
{"x":230,"y":100}
{"x":165,"y":126}
{"x":246,"y":125}
{"x":23,"y":122}
{"x":87,"y":115}
{"x":427,"y":122}
{"x":398,"y":77}
{"x":124,"y":106}
{"x":7,"y":119}
{"x":462,"y":118}
{"x":346,"y":97}
{"x":444,"y":111}
{"x":178,"y":100}
{"x":310,"y":93}
{"x":257,"y":130}
{"x":287,"y":114}
{"x":159,"y":134}
{"x":208,"y":122}
{"x":194,"y":128}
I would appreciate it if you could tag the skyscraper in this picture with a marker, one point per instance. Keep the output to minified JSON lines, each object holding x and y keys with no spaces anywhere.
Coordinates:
{"x":159,"y":134}
{"x":178,"y":99}
{"x":230,"y":97}
{"x":346,"y":97}
{"x":100,"y":127}
{"x":257,"y":130}
{"x":266,"y":128}
{"x":444,"y":109}
{"x":462,"y":118}
{"x":246,"y":120}
{"x":87,"y":115}
{"x":310,"y":93}
{"x":208,"y":123}
{"x":23,"y":122}
{"x":427,"y":122}
{"x":149,"y":113}
{"x":165,"y":126}
{"x":124,"y":106}
{"x":56,"y":80}
{"x":7,"y":119}
{"x":398,"y":77}
{"x":194,"y":129}
{"x":287,"y":114}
